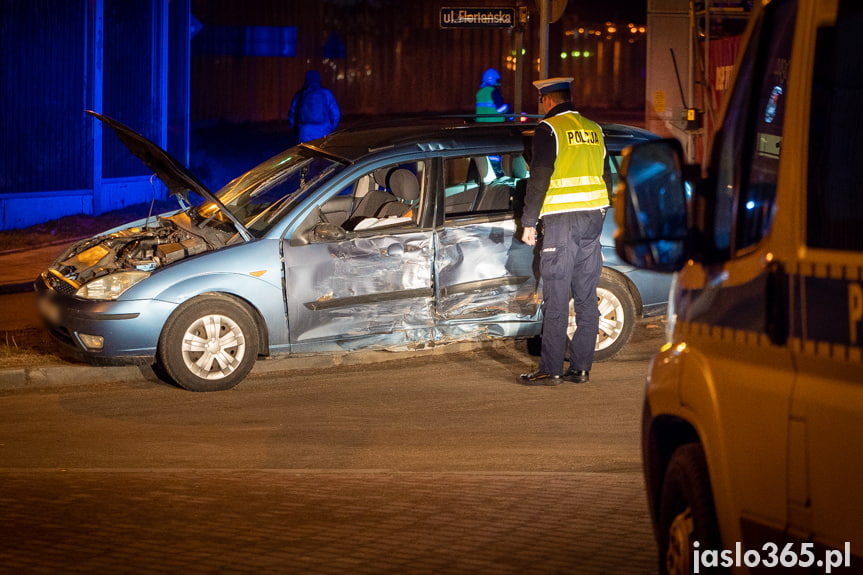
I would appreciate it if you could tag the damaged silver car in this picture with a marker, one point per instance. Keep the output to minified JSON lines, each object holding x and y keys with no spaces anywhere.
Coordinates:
{"x":389,"y":237}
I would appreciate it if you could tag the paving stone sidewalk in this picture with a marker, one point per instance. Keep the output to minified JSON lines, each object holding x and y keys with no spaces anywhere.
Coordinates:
{"x":317,"y":522}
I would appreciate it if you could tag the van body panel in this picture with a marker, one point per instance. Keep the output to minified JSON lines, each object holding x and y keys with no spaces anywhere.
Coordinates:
{"x":763,"y":367}
{"x":737,"y":395}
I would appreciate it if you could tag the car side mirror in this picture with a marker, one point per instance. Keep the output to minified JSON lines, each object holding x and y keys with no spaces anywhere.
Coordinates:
{"x":326,"y":232}
{"x":651,"y":207}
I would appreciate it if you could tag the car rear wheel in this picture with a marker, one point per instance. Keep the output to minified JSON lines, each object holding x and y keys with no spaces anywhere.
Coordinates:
{"x":616,"y":315}
{"x":686,"y":512}
{"x":210,"y":344}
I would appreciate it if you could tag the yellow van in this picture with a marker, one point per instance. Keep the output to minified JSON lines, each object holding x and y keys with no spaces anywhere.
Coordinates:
{"x":753,"y":413}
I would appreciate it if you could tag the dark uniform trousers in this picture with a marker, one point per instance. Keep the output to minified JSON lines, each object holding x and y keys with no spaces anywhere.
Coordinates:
{"x":570,"y":265}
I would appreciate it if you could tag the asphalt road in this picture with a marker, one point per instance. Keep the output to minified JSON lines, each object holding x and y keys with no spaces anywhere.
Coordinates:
{"x":437,"y":464}
{"x":19,"y":311}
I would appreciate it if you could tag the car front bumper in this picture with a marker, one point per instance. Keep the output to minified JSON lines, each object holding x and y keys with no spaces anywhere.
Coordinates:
{"x":129,"y":329}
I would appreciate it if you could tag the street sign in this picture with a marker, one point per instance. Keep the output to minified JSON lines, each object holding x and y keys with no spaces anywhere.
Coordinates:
{"x":477,"y":17}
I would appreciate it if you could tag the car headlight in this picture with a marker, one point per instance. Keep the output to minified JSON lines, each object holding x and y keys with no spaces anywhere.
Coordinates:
{"x":111,"y":286}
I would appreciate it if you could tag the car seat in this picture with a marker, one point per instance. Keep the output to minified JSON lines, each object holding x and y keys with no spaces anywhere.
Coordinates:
{"x":373,"y":199}
{"x":498,"y":195}
{"x":405,"y":191}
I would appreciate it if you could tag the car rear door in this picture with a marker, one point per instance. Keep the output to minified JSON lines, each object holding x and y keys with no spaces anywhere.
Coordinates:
{"x":485,"y":278}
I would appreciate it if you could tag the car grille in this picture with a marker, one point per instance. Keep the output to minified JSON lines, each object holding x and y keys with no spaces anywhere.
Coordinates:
{"x":59,"y":284}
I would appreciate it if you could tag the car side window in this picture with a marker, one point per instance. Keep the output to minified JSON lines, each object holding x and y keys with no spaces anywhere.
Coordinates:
{"x":834,"y":216}
{"x":612,"y":167}
{"x":386,"y":197}
{"x":484,"y":184}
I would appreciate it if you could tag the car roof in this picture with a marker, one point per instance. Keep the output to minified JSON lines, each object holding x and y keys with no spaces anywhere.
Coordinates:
{"x":420,"y":135}
{"x":619,"y":136}
{"x":423,"y":135}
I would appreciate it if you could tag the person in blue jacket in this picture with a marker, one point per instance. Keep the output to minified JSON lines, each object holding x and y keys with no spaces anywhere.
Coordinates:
{"x":314,"y":111}
{"x":490,"y":106}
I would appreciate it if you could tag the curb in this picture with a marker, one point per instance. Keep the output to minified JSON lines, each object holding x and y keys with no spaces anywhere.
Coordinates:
{"x":37,"y":377}
{"x":52,"y":376}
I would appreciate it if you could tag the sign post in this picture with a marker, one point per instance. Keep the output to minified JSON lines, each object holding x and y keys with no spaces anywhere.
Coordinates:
{"x":549,"y":12}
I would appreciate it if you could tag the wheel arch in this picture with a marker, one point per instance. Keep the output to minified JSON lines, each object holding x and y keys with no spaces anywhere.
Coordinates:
{"x":661,"y":436}
{"x":630,"y":286}
{"x":260,"y":298}
{"x":260,"y":322}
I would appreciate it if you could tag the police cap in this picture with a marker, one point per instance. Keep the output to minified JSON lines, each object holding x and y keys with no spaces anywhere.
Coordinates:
{"x":552,"y":85}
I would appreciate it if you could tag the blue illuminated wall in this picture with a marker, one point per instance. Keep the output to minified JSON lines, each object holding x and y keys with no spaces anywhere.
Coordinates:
{"x":171,"y":68}
{"x":61,"y":57}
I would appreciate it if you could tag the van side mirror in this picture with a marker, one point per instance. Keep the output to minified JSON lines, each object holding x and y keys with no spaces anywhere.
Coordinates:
{"x":651,"y":207}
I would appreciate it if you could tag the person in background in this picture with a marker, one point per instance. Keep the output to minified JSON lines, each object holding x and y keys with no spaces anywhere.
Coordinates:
{"x":490,"y":106}
{"x":314,"y":110}
{"x":568,"y":191}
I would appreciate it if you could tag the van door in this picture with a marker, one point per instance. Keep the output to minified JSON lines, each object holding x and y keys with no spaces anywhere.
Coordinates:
{"x":826,"y":439}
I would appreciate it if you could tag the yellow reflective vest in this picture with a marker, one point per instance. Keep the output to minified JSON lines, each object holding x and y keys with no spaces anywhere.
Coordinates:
{"x":577,"y":182}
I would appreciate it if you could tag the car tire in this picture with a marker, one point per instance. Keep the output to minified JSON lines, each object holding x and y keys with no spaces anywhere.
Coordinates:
{"x":617,"y":316}
{"x":209,"y":344}
{"x":686,"y":512}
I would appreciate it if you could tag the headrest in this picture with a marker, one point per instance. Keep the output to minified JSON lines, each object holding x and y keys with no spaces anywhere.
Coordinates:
{"x":404,"y":185}
{"x":380,"y":177}
{"x":483,"y":167}
{"x":519,"y":167}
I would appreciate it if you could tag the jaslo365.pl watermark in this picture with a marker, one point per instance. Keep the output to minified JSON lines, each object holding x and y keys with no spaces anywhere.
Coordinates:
{"x":770,"y":555}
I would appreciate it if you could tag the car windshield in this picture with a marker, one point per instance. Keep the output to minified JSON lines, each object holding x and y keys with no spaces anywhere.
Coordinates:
{"x":261,"y":196}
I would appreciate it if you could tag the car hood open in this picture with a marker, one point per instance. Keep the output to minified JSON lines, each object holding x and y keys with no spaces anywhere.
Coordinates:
{"x":173,"y":174}
{"x":150,"y":244}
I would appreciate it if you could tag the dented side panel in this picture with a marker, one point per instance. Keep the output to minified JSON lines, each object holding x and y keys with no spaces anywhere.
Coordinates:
{"x":486,"y":275}
{"x":360,"y":292}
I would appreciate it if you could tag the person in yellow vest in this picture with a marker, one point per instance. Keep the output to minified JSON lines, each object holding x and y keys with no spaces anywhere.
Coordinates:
{"x":490,"y":106}
{"x":567,"y":191}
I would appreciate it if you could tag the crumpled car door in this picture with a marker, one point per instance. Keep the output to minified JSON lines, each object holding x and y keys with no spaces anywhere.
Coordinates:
{"x":364,"y":291}
{"x":486,"y":277}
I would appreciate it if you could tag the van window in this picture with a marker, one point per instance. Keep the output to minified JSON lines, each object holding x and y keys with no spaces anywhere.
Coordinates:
{"x":747,"y":150}
{"x":835,"y":195}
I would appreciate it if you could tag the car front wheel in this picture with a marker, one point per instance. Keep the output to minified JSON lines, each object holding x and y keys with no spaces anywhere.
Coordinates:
{"x":209,"y":344}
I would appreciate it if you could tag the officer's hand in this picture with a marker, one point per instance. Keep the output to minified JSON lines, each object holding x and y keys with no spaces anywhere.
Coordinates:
{"x":528,"y":236}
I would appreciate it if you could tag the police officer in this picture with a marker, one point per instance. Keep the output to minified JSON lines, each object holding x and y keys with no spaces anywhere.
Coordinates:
{"x":490,"y":106}
{"x":567,"y":191}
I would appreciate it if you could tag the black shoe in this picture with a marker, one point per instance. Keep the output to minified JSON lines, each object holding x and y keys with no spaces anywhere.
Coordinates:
{"x":539,"y":378}
{"x":576,"y":376}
